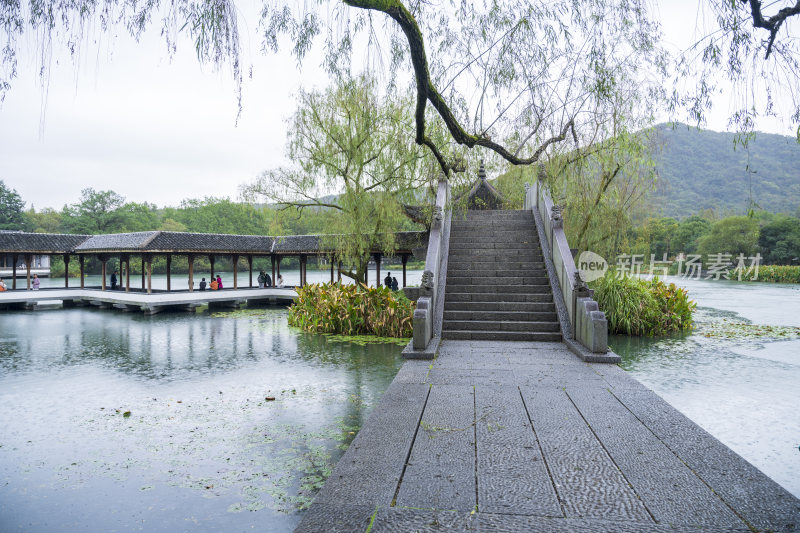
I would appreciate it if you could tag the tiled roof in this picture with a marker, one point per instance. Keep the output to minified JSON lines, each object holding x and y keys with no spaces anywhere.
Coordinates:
{"x":210,"y":242}
{"x":181,"y":243}
{"x":11,"y":241}
{"x":297,"y":244}
{"x":118,"y":241}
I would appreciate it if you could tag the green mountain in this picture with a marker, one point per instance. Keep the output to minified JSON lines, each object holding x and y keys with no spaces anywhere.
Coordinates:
{"x":703,"y":170}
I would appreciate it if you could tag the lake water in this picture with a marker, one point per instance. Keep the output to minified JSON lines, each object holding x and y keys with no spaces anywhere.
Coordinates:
{"x":201,"y":449}
{"x":738,"y":374}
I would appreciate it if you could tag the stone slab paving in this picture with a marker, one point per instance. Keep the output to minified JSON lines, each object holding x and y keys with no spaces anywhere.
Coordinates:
{"x":515,"y":437}
{"x":161,"y":298}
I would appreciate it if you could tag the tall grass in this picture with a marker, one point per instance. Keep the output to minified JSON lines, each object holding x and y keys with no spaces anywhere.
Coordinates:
{"x":352,"y":310}
{"x":635,"y":306}
{"x":774,"y":274}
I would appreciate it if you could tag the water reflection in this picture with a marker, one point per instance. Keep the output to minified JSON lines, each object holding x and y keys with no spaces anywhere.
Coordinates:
{"x":201,"y":447}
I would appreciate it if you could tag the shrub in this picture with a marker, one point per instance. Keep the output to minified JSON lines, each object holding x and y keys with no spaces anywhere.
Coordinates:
{"x":352,"y":310}
{"x":635,"y":306}
{"x":774,"y":274}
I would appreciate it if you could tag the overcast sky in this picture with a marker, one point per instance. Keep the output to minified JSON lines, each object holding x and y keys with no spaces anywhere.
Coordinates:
{"x":159,"y":130}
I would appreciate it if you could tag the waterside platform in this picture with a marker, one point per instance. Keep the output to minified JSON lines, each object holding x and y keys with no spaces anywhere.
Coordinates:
{"x":524,"y":436}
{"x":147,"y":303}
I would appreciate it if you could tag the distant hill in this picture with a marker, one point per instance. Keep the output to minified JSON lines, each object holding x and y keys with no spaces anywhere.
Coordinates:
{"x":701,"y":170}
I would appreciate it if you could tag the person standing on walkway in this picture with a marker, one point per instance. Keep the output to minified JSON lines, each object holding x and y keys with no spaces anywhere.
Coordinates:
{"x":36,"y":282}
{"x":387,"y":281}
{"x":114,"y":280}
{"x":394,"y":284}
{"x":267,"y":280}
{"x":261,"y":280}
{"x":219,"y":281}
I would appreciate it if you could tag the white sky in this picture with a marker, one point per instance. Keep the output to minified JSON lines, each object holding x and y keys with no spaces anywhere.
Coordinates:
{"x":130,"y":120}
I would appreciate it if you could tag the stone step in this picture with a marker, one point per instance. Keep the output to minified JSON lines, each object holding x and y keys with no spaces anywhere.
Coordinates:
{"x":459,"y":281}
{"x":492,"y":225}
{"x":500,"y":234}
{"x":528,"y":336}
{"x":493,"y":254}
{"x":477,"y":244}
{"x":477,"y":214}
{"x":491,"y":270}
{"x":499,"y":325}
{"x":498,"y":289}
{"x":506,"y":240}
{"x":526,"y":307}
{"x":497,"y":297}
{"x":497,"y":268}
{"x":500,"y":316}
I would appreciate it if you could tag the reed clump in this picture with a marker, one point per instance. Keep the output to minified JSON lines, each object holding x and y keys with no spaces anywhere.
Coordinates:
{"x":642,"y":307}
{"x":352,"y":310}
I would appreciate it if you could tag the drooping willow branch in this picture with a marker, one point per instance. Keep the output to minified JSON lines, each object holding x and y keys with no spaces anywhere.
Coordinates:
{"x":773,"y":23}
{"x":427,"y":92}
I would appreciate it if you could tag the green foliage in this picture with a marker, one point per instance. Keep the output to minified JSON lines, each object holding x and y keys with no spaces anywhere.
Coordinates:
{"x":220,"y":215}
{"x":12,"y":216}
{"x":704,"y":170}
{"x":635,"y":306}
{"x":689,"y":232}
{"x":45,"y":221}
{"x":774,"y":274}
{"x":96,"y":212}
{"x":732,"y":235}
{"x":779,"y":240}
{"x":352,"y":310}
{"x":356,"y":163}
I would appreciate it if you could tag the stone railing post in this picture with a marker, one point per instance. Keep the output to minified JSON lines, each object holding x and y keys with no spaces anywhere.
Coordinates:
{"x":424,"y":342}
{"x":588,"y":324}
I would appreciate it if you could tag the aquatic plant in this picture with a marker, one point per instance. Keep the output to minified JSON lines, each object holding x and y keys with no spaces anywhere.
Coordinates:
{"x":352,"y":310}
{"x":635,"y":306}
{"x":774,"y":274}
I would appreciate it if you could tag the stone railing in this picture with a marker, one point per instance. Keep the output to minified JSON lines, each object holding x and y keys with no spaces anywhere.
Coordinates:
{"x":430,"y":304}
{"x":586,"y":323}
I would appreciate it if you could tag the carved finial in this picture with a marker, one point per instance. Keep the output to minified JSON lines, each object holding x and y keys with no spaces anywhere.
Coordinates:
{"x":437,"y":213}
{"x":427,"y":280}
{"x":555,"y":216}
{"x":581,"y":287}
{"x":482,"y":171}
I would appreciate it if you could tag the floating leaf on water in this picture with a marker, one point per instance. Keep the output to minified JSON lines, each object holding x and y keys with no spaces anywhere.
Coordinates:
{"x":126,"y":414}
{"x":270,"y":398}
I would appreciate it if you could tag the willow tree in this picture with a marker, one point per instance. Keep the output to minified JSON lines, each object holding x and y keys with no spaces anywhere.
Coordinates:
{"x":354,"y":155}
{"x":515,"y":77}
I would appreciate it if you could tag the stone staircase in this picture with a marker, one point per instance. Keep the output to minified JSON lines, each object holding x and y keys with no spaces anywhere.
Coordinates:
{"x":497,"y":286}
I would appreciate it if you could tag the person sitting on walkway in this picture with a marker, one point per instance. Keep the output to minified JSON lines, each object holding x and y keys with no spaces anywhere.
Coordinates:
{"x":219,"y":281}
{"x":394,"y":284}
{"x":214,"y":284}
{"x":387,"y":281}
{"x":203,"y":284}
{"x":280,"y":282}
{"x":36,"y":282}
{"x":261,"y":280}
{"x":3,"y":287}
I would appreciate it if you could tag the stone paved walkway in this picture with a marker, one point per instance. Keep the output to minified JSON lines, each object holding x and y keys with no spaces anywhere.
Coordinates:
{"x":513,"y":436}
